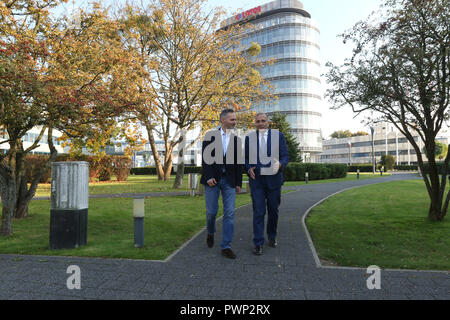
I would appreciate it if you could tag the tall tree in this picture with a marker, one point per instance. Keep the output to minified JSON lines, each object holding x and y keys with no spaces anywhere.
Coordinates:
{"x":193,"y":71}
{"x":52,"y":77}
{"x":278,"y":121}
{"x":399,"y":72}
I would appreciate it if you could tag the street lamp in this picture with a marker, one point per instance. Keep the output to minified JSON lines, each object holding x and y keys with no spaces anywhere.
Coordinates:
{"x":349,"y":153}
{"x":372,"y":129}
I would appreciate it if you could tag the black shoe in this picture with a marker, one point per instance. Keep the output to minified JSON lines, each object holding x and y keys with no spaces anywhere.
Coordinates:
{"x":258,"y":250}
{"x":273,"y":243}
{"x":227,"y":253}
{"x":210,"y":240}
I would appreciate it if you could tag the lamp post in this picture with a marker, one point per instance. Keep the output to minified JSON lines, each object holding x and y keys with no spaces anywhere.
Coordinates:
{"x":372,"y":130}
{"x":349,"y":153}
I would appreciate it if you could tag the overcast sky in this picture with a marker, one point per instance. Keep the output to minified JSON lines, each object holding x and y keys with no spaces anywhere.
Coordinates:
{"x":334,"y":17}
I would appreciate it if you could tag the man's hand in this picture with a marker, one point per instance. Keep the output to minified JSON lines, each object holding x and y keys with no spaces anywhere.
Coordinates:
{"x":251,"y":173}
{"x":211,"y":182}
{"x":276,"y":166}
{"x":238,"y":189}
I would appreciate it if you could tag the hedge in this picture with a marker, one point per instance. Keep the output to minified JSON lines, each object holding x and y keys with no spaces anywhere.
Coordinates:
{"x":316,"y":171}
{"x":361,"y":167}
{"x":152,"y":170}
{"x":405,"y":167}
{"x":101,"y":169}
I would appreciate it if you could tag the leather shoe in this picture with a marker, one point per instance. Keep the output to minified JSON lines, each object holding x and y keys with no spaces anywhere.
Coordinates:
{"x":210,"y":240}
{"x":273,"y":243}
{"x":227,"y":253}
{"x":258,"y":250}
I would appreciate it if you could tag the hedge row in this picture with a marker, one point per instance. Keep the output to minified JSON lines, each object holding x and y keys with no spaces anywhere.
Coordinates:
{"x":99,"y":168}
{"x":152,"y":170}
{"x":405,"y":167}
{"x":316,"y":171}
{"x":440,"y":168}
{"x":361,"y":167}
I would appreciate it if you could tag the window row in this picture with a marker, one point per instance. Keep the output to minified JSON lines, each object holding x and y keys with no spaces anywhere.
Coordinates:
{"x":290,"y":50}
{"x":290,"y":104}
{"x":296,"y":86}
{"x":280,"y":69}
{"x":284,"y":18}
{"x":282,"y":33}
{"x":31,"y":137}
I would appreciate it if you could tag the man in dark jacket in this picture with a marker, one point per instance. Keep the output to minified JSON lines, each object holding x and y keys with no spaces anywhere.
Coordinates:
{"x":266,"y":156}
{"x":222,"y":172}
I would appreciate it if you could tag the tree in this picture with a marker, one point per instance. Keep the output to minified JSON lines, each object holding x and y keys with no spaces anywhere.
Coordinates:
{"x":440,"y":150}
{"x":387,"y":161}
{"x":347,"y":134}
{"x":341,"y":134}
{"x":192,"y":72}
{"x":359,"y":134}
{"x":278,"y":121}
{"x":399,"y":72}
{"x":52,"y":77}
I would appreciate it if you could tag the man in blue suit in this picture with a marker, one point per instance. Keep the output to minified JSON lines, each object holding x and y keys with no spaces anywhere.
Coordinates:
{"x":266,"y":156}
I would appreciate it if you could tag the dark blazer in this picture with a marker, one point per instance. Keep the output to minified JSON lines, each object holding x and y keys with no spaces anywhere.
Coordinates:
{"x":233,"y":171}
{"x":273,"y":181}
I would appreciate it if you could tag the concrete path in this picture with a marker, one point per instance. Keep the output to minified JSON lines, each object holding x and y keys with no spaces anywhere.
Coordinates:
{"x":289,"y":272}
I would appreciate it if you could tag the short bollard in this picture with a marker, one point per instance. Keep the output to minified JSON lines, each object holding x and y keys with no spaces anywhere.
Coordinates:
{"x":357,"y":174}
{"x":138,"y":214}
{"x":306,"y":177}
{"x":192,"y":183}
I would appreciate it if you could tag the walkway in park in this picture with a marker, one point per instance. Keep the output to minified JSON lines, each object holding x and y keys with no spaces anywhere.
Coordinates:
{"x":197,"y":272}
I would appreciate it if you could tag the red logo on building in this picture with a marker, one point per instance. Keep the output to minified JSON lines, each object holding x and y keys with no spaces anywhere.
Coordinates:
{"x":249,"y":13}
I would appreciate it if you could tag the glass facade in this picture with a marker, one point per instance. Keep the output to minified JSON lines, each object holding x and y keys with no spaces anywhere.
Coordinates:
{"x":287,"y":34}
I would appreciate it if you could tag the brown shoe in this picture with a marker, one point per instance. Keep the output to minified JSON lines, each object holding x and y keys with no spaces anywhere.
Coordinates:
{"x":227,"y":253}
{"x":210,"y":240}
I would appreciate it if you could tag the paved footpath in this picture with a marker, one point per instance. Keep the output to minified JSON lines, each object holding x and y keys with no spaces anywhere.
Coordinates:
{"x":289,"y":272}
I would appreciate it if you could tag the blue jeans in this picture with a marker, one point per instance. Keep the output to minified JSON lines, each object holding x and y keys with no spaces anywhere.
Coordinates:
{"x":212,"y":207}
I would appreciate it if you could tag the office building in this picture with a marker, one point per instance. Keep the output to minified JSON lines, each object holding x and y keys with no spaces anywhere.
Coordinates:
{"x":286,"y":32}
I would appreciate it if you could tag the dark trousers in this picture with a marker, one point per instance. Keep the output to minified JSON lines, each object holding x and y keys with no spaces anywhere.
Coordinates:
{"x":262,"y":198}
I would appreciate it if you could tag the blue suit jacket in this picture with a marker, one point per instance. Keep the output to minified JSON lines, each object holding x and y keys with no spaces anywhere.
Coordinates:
{"x":274,"y":181}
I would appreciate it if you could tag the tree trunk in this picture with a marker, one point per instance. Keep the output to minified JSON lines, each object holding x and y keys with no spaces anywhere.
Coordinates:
{"x":168,"y":167}
{"x":8,"y":204}
{"x":178,"y":183}
{"x":151,"y":139}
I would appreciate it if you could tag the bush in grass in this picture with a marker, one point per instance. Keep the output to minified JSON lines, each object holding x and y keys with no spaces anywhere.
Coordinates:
{"x":121,"y":167}
{"x":387,"y":161}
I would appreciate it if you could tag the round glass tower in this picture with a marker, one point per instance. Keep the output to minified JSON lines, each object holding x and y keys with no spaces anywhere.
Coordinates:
{"x":286,"y":33}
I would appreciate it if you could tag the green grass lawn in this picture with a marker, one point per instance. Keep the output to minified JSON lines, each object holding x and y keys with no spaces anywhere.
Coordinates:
{"x":169,"y":222}
{"x":384,"y":225}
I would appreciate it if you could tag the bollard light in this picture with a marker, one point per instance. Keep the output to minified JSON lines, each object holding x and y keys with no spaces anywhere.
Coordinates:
{"x":138,"y":215}
{"x":306,"y":177}
{"x":245,"y":186}
{"x":192,"y":183}
{"x":357,"y":174}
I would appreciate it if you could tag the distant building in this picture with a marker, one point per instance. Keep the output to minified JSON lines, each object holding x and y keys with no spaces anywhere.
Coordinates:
{"x":30,"y":137}
{"x":387,"y":140}
{"x":286,"y":32}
